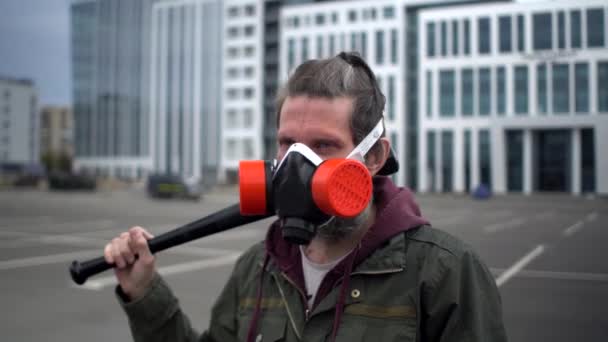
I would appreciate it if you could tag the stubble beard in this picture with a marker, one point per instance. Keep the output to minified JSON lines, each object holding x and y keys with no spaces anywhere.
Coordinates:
{"x":340,"y":228}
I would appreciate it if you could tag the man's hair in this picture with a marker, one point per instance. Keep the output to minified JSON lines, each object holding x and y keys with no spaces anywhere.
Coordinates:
{"x":345,"y":75}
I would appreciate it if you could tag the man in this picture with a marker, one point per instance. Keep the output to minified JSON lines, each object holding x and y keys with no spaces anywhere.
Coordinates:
{"x":384,"y":275}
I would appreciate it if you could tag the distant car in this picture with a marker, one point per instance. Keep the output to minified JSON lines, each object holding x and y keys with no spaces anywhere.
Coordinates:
{"x":173,"y":186}
{"x":71,"y":181}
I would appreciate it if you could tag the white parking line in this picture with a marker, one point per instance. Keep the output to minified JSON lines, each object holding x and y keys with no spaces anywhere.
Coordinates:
{"x":553,"y":275}
{"x":573,"y":229}
{"x":591,"y":217}
{"x":519,"y":265}
{"x":100,"y":283}
{"x":47,"y":259}
{"x":496,"y":227}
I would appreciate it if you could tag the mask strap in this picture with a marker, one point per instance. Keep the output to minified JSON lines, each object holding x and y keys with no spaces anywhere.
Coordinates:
{"x":366,"y":144}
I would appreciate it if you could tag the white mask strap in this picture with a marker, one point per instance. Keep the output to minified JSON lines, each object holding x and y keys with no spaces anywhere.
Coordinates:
{"x":366,"y":144}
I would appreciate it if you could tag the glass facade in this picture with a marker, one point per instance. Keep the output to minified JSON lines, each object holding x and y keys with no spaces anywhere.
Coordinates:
{"x":602,"y":87}
{"x":446,"y":93}
{"x":291,"y":53}
{"x":485,"y":160}
{"x":587,"y":160}
{"x":561,"y":30}
{"x":430,"y":161}
{"x":521,"y":89}
{"x":504,"y":31}
{"x":542,"y":38}
{"x":467,"y":92}
{"x":394,"y":46}
{"x":515,"y":160}
{"x":455,"y":35}
{"x":501,"y":91}
{"x":391,"y":97}
{"x":485,"y":91}
{"x":380,"y":47}
{"x":595,"y":27}
{"x":581,"y":87}
{"x":561,"y":84}
{"x":447,"y":162}
{"x":575,"y":29}
{"x":444,"y":38}
{"x":485,"y":34}
{"x":521,"y":34}
{"x":467,"y":37}
{"x":304,"y":47}
{"x":319,"y":46}
{"x":467,"y":160}
{"x":430,"y":39}
{"x":541,"y":88}
{"x":552,"y":170}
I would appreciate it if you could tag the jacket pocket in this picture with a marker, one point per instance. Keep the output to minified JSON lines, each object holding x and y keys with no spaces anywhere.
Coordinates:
{"x":362,"y":322}
{"x":271,"y":326}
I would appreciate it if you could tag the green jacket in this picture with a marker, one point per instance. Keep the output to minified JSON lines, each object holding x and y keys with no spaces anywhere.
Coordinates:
{"x":413,"y":289}
{"x":419,"y":285}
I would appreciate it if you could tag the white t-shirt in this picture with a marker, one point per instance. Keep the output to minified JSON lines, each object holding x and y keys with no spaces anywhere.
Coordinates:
{"x":314,"y":274}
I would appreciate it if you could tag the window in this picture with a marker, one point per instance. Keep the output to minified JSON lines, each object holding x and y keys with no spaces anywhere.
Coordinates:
{"x":581,"y":87}
{"x":353,"y":41}
{"x":504,"y":30}
{"x":521,"y":34}
{"x":291,"y":53}
{"x":232,"y":93}
{"x":391,"y":98}
{"x":231,"y":152}
{"x":430,"y":161}
{"x":484,"y":35}
{"x":429,"y":94}
{"x":447,"y":167}
{"x":248,"y":148}
{"x":332,"y":45}
{"x":561,"y":30}
{"x":320,"y":19}
{"x":334,"y":17}
{"x":430,"y":39}
{"x":467,"y":92}
{"x":561,"y":83}
{"x":541,"y":88}
{"x":446,"y":93}
{"x":467,"y":159}
{"x":485,"y":161}
{"x":380,"y":47}
{"x":575,"y":29}
{"x":541,"y":23}
{"x":247,"y":117}
{"x":233,"y":52}
{"x":501,"y":88}
{"x":515,"y":160}
{"x":249,"y":51}
{"x":467,"y":37}
{"x":595,"y":27}
{"x":364,"y":44}
{"x":455,"y":35}
{"x":249,"y":71}
{"x":248,"y":93}
{"x":233,"y":32}
{"x":233,"y":12}
{"x":587,"y":160}
{"x":250,"y":10}
{"x":231,"y":121}
{"x":389,"y":12}
{"x":521,"y":89}
{"x":232,"y":72}
{"x":352,"y":16}
{"x":304,"y":49}
{"x":444,"y":38}
{"x":602,"y":86}
{"x":319,"y":46}
{"x":485,"y":92}
{"x":394,"y":48}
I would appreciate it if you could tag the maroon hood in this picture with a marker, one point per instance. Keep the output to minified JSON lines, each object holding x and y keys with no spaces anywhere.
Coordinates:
{"x":396,"y":211}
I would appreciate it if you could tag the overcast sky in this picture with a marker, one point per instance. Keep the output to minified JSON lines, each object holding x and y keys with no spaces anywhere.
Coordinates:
{"x":34,"y":44}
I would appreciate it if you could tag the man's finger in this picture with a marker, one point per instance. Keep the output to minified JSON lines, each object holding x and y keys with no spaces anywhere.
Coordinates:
{"x":140,"y":246}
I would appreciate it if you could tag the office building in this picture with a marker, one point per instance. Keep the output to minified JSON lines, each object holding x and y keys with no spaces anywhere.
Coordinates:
{"x":19,"y":123}
{"x":514,"y":97}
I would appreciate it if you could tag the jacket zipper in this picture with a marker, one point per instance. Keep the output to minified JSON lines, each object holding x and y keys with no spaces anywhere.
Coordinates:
{"x":293,"y":322}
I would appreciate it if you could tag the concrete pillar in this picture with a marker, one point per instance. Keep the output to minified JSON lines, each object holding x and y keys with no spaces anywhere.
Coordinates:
{"x":474,"y":158}
{"x":438,"y":161}
{"x":528,"y":173}
{"x":601,"y":159}
{"x":458,"y":170}
{"x":576,"y":162}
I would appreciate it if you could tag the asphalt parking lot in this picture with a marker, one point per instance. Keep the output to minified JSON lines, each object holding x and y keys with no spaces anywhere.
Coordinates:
{"x":547,"y":252}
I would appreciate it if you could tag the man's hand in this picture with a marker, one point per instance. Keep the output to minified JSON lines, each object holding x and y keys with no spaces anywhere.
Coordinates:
{"x":135,"y":266}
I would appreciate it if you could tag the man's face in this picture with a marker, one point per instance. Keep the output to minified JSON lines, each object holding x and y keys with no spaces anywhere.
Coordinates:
{"x":324,"y":126}
{"x":319,"y":123}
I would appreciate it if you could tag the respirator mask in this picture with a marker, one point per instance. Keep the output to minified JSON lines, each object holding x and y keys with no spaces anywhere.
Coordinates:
{"x":305,"y":191}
